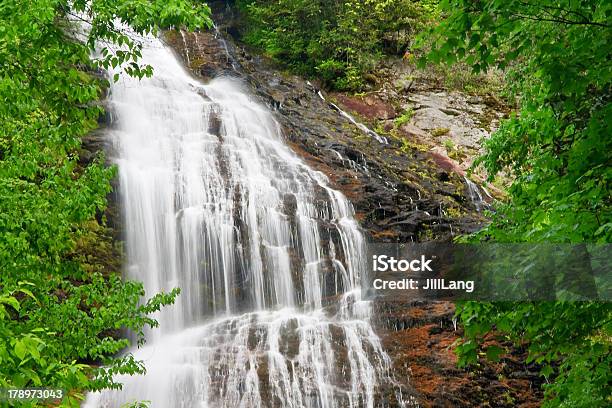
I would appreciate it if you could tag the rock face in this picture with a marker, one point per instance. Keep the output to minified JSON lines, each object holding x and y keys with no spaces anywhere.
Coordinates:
{"x":450,"y":125}
{"x":419,"y":337}
{"x":398,"y":190}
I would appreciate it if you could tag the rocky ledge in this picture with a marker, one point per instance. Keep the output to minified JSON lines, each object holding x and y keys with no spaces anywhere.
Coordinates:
{"x":420,"y":336}
{"x":400,"y":191}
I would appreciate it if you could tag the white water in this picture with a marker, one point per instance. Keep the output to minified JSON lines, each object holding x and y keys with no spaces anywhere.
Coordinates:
{"x":475,"y":195}
{"x":267,"y":256}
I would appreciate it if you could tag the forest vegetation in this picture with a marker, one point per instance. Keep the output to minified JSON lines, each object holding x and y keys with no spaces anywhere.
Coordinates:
{"x":557,"y":147}
{"x":61,"y":311}
{"x":339,"y":42}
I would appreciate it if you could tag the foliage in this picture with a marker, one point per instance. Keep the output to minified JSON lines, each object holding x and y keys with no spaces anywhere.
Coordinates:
{"x":557,"y":149}
{"x":403,"y":118}
{"x":337,"y":41}
{"x":58,"y":313}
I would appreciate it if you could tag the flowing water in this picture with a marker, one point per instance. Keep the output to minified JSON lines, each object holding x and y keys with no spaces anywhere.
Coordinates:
{"x":267,"y":256}
{"x":475,"y":196}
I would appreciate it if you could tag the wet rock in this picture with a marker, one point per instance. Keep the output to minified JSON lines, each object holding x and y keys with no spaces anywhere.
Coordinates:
{"x":214,"y":123}
{"x":93,"y":144}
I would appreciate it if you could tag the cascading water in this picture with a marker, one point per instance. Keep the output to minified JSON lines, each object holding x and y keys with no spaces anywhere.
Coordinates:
{"x":267,"y":256}
{"x":475,"y":195}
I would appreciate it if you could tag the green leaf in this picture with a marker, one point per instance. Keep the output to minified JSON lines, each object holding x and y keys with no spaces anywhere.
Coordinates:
{"x":11,"y":301}
{"x":20,"y":349}
{"x":493,"y":353}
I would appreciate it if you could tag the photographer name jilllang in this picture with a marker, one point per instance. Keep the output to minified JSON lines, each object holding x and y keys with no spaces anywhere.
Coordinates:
{"x":430,"y":284}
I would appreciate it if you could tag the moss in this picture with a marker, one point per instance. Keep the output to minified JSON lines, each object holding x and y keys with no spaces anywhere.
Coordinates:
{"x":440,"y":131}
{"x":96,"y":250}
{"x":453,"y":212}
{"x":409,"y":145}
{"x":379,"y":128}
{"x":426,"y":234}
{"x":197,"y":62}
{"x":508,"y":397}
{"x":453,"y":151}
{"x":403,"y":118}
{"x":449,"y":145}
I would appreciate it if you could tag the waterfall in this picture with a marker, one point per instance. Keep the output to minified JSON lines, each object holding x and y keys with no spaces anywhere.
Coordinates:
{"x":268,"y":257}
{"x":475,"y":195}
